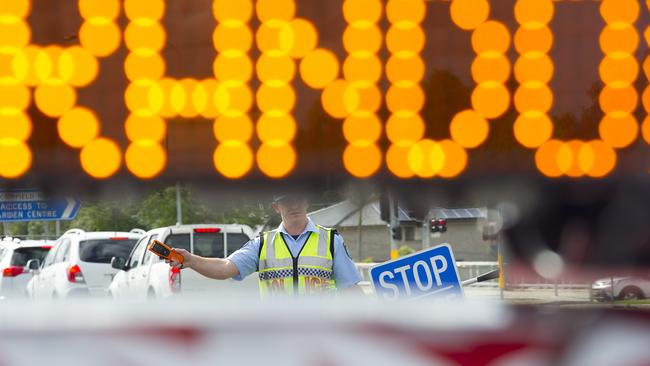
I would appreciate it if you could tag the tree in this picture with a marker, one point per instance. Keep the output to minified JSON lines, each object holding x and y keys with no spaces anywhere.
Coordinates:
{"x":106,"y":216}
{"x":159,"y":209}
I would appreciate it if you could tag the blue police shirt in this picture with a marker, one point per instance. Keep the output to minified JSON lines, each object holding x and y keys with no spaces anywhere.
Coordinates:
{"x":344,"y":272}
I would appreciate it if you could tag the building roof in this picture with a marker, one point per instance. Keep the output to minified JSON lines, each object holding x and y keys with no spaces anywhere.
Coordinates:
{"x":346,"y":214}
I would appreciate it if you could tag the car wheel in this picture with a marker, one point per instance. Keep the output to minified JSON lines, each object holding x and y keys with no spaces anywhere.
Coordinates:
{"x":631,"y":293}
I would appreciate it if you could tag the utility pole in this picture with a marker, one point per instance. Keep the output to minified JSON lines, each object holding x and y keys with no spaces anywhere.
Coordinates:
{"x":395,"y":228}
{"x":179,"y":214}
{"x":426,"y":230}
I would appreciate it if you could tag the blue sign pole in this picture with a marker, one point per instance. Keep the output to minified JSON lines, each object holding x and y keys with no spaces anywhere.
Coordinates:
{"x":430,"y":273}
{"x":31,"y":205}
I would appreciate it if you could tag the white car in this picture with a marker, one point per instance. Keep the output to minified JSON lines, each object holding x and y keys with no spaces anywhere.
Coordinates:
{"x":14,"y":255}
{"x":625,"y":288}
{"x":79,"y":264}
{"x":143,"y":275}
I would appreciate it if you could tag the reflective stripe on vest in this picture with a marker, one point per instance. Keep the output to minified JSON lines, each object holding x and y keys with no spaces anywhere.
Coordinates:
{"x":309,"y":272}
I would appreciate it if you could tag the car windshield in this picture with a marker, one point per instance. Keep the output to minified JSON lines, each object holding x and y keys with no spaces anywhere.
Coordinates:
{"x":205,"y":244}
{"x":22,"y":255}
{"x":102,"y":250}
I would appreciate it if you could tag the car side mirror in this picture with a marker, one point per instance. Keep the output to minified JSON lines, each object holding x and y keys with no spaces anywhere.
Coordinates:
{"x":118,"y":263}
{"x":33,"y":265}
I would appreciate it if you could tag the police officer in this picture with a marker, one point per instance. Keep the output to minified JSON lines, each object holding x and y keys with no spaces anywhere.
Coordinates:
{"x":299,"y":257}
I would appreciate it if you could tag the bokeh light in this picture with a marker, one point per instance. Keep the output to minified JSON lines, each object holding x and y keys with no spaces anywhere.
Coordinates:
{"x":17,"y":158}
{"x":233,"y":128}
{"x":490,"y":99}
{"x":145,"y":128}
{"x":340,"y":98}
{"x":146,"y":159}
{"x":233,"y":159}
{"x":78,"y":126}
{"x":55,"y":99}
{"x":362,"y":128}
{"x":469,"y":14}
{"x":101,"y":158}
{"x":426,"y":158}
{"x":405,"y":128}
{"x":455,"y":159}
{"x":14,"y":124}
{"x":362,"y":160}
{"x":319,"y":68}
{"x":618,"y":130}
{"x":276,"y":160}
{"x":533,"y":128}
{"x":469,"y":129}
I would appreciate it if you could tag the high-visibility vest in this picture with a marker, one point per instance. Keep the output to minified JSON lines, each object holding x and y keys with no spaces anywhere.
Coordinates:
{"x":310,"y":272}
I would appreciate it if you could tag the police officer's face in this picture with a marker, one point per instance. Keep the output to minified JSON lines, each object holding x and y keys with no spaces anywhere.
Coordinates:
{"x":291,"y":208}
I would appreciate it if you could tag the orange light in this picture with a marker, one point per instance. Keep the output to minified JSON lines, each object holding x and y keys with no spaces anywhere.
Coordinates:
{"x":227,"y":10}
{"x":533,"y":96}
{"x":533,"y":129}
{"x":495,"y":69}
{"x":319,"y":68}
{"x":145,"y":128}
{"x":405,"y":128}
{"x":340,"y":98}
{"x":55,"y":99}
{"x":405,"y":37}
{"x":491,"y":37}
{"x":268,"y":10}
{"x":408,"y":98}
{"x":490,"y":99}
{"x":233,"y":159}
{"x":469,"y":14}
{"x":366,"y":11}
{"x":276,"y":161}
{"x":469,"y":129}
{"x":233,"y":128}
{"x":145,"y":159}
{"x":404,"y":69}
{"x":15,"y":125}
{"x":546,"y":158}
{"x":362,"y":128}
{"x":235,"y":67}
{"x":276,"y":128}
{"x":618,"y":130}
{"x":362,"y":160}
{"x":101,"y":158}
{"x":455,"y":159}
{"x":623,"y":11}
{"x":397,"y":160}
{"x":17,"y":158}
{"x":78,"y":126}
{"x":426,"y":158}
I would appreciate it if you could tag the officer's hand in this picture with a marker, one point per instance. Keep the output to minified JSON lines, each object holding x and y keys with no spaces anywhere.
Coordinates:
{"x":187,"y":256}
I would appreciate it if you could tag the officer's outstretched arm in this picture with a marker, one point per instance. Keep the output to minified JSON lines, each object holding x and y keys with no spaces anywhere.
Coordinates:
{"x":217,"y":268}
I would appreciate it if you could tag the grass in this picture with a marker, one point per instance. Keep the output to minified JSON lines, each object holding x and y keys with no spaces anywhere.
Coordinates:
{"x":632,"y":302}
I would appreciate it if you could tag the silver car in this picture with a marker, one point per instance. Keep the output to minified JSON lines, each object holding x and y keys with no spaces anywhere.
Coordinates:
{"x":621,"y":288}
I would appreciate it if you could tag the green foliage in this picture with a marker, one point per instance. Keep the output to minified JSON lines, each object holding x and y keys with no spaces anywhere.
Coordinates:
{"x":405,"y":250}
{"x":368,"y":260}
{"x":159,"y":209}
{"x":106,"y":216}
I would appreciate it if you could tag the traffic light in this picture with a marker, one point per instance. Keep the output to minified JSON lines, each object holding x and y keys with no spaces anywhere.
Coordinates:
{"x":396,"y":232}
{"x":438,"y":225}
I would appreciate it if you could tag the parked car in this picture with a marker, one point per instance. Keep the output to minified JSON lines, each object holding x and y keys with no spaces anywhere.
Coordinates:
{"x":624,"y":288}
{"x":79,"y":264}
{"x":14,"y":255}
{"x":143,"y":275}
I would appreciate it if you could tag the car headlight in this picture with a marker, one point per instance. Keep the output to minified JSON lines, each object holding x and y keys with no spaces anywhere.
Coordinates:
{"x":601,"y":285}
